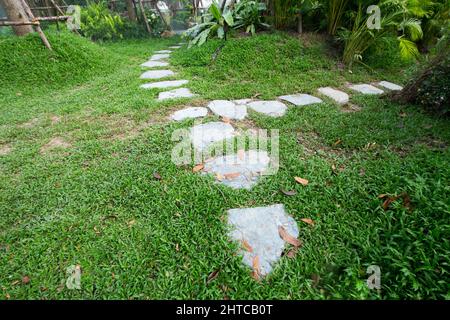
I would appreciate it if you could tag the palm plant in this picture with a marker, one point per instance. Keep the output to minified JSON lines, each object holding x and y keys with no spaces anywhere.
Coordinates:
{"x":249,"y":15}
{"x":336,"y":9}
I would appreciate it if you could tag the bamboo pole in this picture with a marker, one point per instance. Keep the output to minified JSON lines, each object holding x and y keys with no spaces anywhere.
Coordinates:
{"x":162,"y":17}
{"x":37,"y":26}
{"x":141,"y":6}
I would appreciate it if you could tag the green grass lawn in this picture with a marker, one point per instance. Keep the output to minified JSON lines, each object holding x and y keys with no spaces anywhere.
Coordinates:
{"x":95,"y":201}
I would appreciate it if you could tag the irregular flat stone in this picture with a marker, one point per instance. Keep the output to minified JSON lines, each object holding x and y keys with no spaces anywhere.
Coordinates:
{"x":157,"y":57}
{"x":204,"y":135}
{"x":242,"y":101}
{"x":157,"y":74}
{"x":238,"y":171}
{"x":270,"y":108}
{"x":259,"y":228}
{"x":154,"y":64}
{"x":163,"y":51}
{"x":390,"y":86}
{"x":164,"y":84}
{"x":366,"y":89}
{"x":228,"y":109}
{"x":189,"y":113}
{"x":175,"y":47}
{"x":176,"y":94}
{"x":338,"y":96}
{"x":301,"y":99}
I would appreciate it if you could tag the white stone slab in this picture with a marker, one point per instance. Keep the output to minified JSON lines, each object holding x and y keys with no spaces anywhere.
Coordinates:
{"x":242,"y":101}
{"x":189,"y":113}
{"x":176,"y":94}
{"x":204,"y":135}
{"x":301,"y":99}
{"x":164,"y":84}
{"x":157,"y":57}
{"x":390,"y":86}
{"x":157,"y":74}
{"x":175,"y":47}
{"x":366,"y":89}
{"x":238,"y":171}
{"x":228,"y":109}
{"x":163,"y":51}
{"x":338,"y":96}
{"x":270,"y":108}
{"x":154,"y":64}
{"x":259,"y":228}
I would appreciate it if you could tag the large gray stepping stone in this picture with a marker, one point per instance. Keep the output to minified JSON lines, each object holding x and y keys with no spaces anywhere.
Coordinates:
{"x":164,"y":84}
{"x":204,"y":135}
{"x":301,"y":99}
{"x":390,"y":86}
{"x":163,"y":51}
{"x":157,"y":57}
{"x":366,"y":89}
{"x":259,"y":228}
{"x":238,"y":171}
{"x":176,"y":94}
{"x":157,"y":74}
{"x":270,"y":108}
{"x":154,"y":64}
{"x":189,"y":113}
{"x":175,"y":47}
{"x":338,"y":96}
{"x":228,"y":109}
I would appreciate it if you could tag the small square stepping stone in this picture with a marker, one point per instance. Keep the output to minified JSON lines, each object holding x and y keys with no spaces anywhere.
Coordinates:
{"x":338,"y":96}
{"x":163,"y":51}
{"x":238,"y":171}
{"x":157,"y":74}
{"x":390,"y":86}
{"x":366,"y":89}
{"x":258,"y":228}
{"x":301,"y":99}
{"x":176,"y":94}
{"x":189,"y":113}
{"x":228,"y":109}
{"x":157,"y":57}
{"x":204,"y":135}
{"x":164,"y":84}
{"x":154,"y":64}
{"x":269,"y":108}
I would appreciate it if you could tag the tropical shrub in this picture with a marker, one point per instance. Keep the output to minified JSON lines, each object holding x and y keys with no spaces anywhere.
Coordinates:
{"x":249,"y":15}
{"x":99,"y":23}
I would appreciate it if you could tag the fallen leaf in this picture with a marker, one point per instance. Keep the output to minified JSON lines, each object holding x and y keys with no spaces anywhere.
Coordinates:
{"x":308,"y":221}
{"x":213,"y":275}
{"x":25,"y":280}
{"x":231,"y":176}
{"x":157,"y":176}
{"x":362,"y":172}
{"x":382,"y":196}
{"x":15,"y":282}
{"x":131,"y":223}
{"x":247,"y":246}
{"x":7,"y":296}
{"x":403,"y":114}
{"x":219,"y":177}
{"x":289,"y":193}
{"x":333,"y":167}
{"x":338,"y":142}
{"x":177,"y":247}
{"x":302,"y":181}
{"x":292,"y":252}
{"x":97,"y":232}
{"x":288,"y":238}
{"x":406,"y":201}
{"x":256,"y":274}
{"x":198,"y":168}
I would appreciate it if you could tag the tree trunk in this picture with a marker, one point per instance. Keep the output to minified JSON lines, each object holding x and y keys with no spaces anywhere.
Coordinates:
{"x":300,"y":23}
{"x":130,"y":9}
{"x":16,"y":12}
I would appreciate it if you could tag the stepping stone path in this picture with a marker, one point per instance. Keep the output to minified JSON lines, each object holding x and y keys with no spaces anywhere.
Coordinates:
{"x":157,"y":74}
{"x":176,"y":94}
{"x":238,"y":171}
{"x":270,"y":108}
{"x":338,"y":96}
{"x":204,"y":135}
{"x":390,"y":86}
{"x":301,"y":99}
{"x":366,"y":89}
{"x":228,"y":109}
{"x":189,"y":113}
{"x":258,"y":228}
{"x":164,"y":84}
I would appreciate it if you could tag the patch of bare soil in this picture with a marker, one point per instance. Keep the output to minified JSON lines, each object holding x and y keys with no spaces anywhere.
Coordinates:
{"x":5,"y":149}
{"x":29,"y":124}
{"x":55,"y":143}
{"x":350,"y":107}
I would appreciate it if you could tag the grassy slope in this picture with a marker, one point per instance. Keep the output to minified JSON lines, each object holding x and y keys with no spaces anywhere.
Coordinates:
{"x":97,"y":203}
